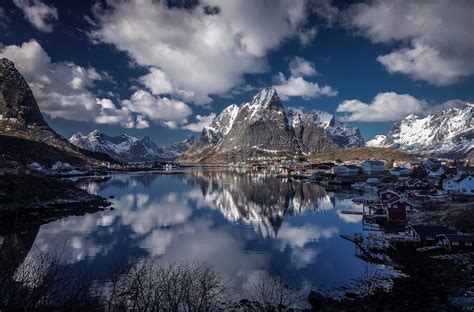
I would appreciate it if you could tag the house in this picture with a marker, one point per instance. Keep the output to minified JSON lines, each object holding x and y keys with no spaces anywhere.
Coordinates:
{"x":388,"y":195}
{"x":460,"y":185}
{"x":399,"y":171}
{"x":373,"y":166}
{"x":456,"y":242}
{"x":436,"y":173}
{"x":401,"y":202}
{"x":346,"y":170}
{"x":426,"y":234}
{"x":462,"y":170}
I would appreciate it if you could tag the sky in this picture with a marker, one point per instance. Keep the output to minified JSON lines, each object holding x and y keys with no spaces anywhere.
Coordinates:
{"x":165,"y":69}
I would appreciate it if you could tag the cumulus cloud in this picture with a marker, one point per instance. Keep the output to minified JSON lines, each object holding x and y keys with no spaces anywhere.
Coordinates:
{"x":203,"y":50}
{"x":39,"y":14}
{"x":301,"y":67}
{"x":298,"y":86}
{"x":390,"y":106}
{"x":436,"y":36}
{"x":201,"y":122}
{"x":159,"y":109}
{"x":422,"y":62}
{"x":63,"y":89}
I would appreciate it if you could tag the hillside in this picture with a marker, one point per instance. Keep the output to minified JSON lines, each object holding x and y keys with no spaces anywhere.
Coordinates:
{"x":362,"y":153}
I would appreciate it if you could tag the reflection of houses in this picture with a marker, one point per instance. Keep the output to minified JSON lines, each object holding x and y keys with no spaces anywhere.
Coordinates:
{"x":456,"y":242}
{"x":373,"y":166}
{"x":346,"y":170}
{"x":426,"y":234}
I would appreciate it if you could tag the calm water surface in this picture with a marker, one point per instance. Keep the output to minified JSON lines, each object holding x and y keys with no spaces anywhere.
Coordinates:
{"x":241,"y":223}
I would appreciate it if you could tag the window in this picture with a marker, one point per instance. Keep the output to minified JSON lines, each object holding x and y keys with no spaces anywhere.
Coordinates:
{"x":429,"y":238}
{"x":395,"y":206}
{"x":468,"y":244}
{"x":455,"y":243}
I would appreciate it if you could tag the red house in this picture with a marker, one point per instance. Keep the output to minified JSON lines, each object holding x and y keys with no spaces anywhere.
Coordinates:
{"x":401,"y":203}
{"x":396,"y":214}
{"x":388,"y":195}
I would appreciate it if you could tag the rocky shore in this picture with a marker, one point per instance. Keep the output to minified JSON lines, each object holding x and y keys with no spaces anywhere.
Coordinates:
{"x":431,"y":285}
{"x":37,"y":199}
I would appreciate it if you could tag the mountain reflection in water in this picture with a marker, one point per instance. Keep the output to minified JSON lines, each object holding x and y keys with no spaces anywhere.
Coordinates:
{"x":241,"y":223}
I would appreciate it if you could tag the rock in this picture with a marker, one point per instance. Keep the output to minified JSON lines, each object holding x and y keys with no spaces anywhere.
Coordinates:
{"x":316,"y":300}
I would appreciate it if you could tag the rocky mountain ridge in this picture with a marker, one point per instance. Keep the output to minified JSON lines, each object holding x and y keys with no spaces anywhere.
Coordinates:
{"x":262,"y":127}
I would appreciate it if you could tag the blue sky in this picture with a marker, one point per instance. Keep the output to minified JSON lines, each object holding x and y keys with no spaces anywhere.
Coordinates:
{"x":159,"y":69}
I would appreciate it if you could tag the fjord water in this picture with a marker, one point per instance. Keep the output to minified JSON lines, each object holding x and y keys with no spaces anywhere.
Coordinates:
{"x":242,"y":223}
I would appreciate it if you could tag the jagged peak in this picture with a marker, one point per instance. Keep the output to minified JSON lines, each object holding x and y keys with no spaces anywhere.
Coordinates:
{"x":266,"y":97}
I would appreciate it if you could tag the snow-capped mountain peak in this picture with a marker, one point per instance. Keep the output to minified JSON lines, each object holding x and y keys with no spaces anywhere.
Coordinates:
{"x":449,"y":133}
{"x":128,"y":148}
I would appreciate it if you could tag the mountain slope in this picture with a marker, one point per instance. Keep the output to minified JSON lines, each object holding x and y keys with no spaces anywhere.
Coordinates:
{"x":448,"y":133}
{"x":24,"y":134}
{"x":261,"y":127}
{"x":128,"y":148}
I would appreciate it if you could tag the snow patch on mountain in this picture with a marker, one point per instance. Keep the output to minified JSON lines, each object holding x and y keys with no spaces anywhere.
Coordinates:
{"x":376,"y":141}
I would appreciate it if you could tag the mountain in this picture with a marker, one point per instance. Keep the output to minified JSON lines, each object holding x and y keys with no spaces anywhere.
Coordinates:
{"x":24,"y":134}
{"x":340,"y":133}
{"x":447,"y":133}
{"x":128,"y":148}
{"x":262,"y":127}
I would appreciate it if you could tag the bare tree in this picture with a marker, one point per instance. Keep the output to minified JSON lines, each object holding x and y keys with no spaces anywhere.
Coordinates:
{"x":150,"y":285}
{"x":276,"y":290}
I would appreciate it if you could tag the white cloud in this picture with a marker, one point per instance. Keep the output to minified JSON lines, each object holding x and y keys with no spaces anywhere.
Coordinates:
{"x":159,"y":109}
{"x":439,"y":35}
{"x":157,"y":81}
{"x":200,"y":54}
{"x":422,"y":62}
{"x":39,"y":14}
{"x":298,"y":86}
{"x":202,"y":121}
{"x":390,"y":106}
{"x":301,"y":67}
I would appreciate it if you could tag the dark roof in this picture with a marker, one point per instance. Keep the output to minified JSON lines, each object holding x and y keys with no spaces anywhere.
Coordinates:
{"x":459,"y":237}
{"x":399,"y":199}
{"x":352,"y":166}
{"x":388,"y":191}
{"x":431,"y":230}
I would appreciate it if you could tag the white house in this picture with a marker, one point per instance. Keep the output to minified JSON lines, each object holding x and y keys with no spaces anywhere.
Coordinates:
{"x":346,"y":170}
{"x":437,"y":173}
{"x":373,"y":166}
{"x":461,"y":185}
{"x":399,"y":171}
